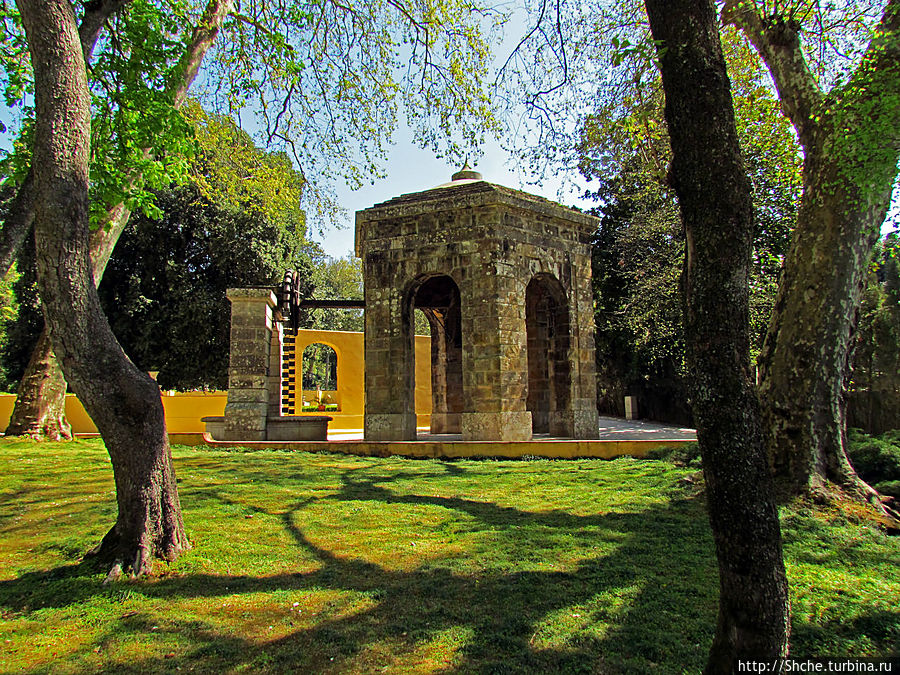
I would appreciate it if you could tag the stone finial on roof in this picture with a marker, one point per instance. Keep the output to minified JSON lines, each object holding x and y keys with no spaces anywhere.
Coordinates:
{"x":466,"y":173}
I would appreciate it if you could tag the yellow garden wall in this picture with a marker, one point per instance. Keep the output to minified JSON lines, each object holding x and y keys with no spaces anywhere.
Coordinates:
{"x":350,"y":376}
{"x":184,"y":410}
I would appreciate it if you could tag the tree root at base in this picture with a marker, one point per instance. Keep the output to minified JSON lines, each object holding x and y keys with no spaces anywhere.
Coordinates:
{"x":134,"y":560}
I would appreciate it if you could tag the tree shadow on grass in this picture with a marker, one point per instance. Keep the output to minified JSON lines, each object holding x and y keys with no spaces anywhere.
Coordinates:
{"x":643,"y":603}
{"x":879,"y":627}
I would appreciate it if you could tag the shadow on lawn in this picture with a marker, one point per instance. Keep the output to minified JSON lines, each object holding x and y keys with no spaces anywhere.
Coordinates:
{"x":501,"y":621}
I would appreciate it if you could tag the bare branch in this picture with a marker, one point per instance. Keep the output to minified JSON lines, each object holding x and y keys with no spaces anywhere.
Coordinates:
{"x":524,"y":40}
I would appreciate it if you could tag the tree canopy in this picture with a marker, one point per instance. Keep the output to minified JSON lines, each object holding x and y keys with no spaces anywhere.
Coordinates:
{"x":639,"y":247}
{"x":325,"y":82}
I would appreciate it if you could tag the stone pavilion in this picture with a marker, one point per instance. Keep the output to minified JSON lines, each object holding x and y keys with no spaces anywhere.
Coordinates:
{"x":504,"y":279}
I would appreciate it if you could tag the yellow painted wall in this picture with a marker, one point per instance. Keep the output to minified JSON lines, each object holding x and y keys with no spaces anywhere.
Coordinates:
{"x":184,"y":410}
{"x":350,"y":376}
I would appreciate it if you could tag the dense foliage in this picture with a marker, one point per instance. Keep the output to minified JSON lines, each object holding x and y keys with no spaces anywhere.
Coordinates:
{"x":237,"y":222}
{"x":164,"y":288}
{"x":335,"y":279}
{"x":638,"y":250}
{"x":877,"y":460}
{"x":874,"y":396}
{"x":325,"y":82}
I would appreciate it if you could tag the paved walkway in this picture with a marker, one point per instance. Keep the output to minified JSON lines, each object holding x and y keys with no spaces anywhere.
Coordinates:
{"x":611,"y":429}
{"x":618,"y":429}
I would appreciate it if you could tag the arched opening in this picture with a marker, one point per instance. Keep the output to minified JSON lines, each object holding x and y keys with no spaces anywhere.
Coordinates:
{"x":438,"y":299}
{"x":549,"y":370}
{"x":318,"y":368}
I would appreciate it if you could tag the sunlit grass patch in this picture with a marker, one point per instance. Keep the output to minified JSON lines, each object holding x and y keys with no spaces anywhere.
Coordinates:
{"x":327,"y":563}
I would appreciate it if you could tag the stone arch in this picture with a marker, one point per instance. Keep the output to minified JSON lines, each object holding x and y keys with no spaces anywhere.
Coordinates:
{"x":549,"y":340}
{"x":438,"y":297}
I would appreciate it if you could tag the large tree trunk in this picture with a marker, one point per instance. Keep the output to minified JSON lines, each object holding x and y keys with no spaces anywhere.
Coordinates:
{"x":123,"y":402}
{"x":39,"y":411}
{"x":851,"y":142}
{"x":714,"y":195}
{"x":804,"y":362}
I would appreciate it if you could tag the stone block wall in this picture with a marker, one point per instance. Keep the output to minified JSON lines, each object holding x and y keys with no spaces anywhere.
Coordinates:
{"x":254,"y":370}
{"x":491,"y":242}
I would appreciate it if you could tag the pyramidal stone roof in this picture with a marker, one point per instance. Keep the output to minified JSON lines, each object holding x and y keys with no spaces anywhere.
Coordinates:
{"x":465,"y":190}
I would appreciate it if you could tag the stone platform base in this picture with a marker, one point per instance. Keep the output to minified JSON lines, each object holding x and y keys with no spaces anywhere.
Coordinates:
{"x":292,"y":428}
{"x":299,"y":428}
{"x":496,"y":426}
{"x":549,"y":448}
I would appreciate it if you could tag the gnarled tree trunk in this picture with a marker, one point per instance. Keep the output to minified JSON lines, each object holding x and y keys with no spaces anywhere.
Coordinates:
{"x":40,"y":404}
{"x":851,"y":143}
{"x":717,"y":212}
{"x":40,"y":410}
{"x":123,"y":402}
{"x":805,"y":360}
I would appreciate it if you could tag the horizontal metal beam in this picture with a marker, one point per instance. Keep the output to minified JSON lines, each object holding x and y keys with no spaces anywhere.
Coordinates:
{"x":332,"y":304}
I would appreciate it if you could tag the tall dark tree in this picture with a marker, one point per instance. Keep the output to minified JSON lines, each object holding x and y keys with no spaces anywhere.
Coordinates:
{"x":714,"y":195}
{"x":123,"y":402}
{"x":164,"y":288}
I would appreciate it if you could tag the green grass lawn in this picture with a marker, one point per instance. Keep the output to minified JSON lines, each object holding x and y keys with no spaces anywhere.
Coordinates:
{"x":326,"y":563}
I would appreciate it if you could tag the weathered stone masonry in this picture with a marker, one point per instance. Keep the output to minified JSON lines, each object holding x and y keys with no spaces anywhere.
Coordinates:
{"x":504,"y":279}
{"x":254,"y":370}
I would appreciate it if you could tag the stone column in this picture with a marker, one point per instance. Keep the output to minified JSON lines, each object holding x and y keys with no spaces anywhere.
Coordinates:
{"x":250,"y":363}
{"x":582,"y":353}
{"x":390,"y":413}
{"x":446,"y":370}
{"x":495,"y":368}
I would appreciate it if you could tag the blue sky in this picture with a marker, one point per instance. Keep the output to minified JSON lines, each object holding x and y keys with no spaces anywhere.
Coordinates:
{"x":410,"y":169}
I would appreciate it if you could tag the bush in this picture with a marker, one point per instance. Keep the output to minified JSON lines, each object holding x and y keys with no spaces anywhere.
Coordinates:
{"x":875,"y":458}
{"x":889,"y":488}
{"x":325,"y":407}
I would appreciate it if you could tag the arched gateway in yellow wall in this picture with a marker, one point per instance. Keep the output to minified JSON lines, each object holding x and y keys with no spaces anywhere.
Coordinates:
{"x":184,"y":409}
{"x":350,"y":394}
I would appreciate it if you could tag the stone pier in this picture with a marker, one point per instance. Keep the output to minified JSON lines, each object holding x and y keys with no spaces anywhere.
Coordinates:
{"x":254,"y":372}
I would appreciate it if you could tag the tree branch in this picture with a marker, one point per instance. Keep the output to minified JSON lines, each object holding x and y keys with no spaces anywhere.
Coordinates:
{"x":96,"y":14}
{"x":103,"y":240}
{"x":778,"y":42}
{"x":204,"y":34}
{"x":17,"y":225}
{"x":883,"y":52}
